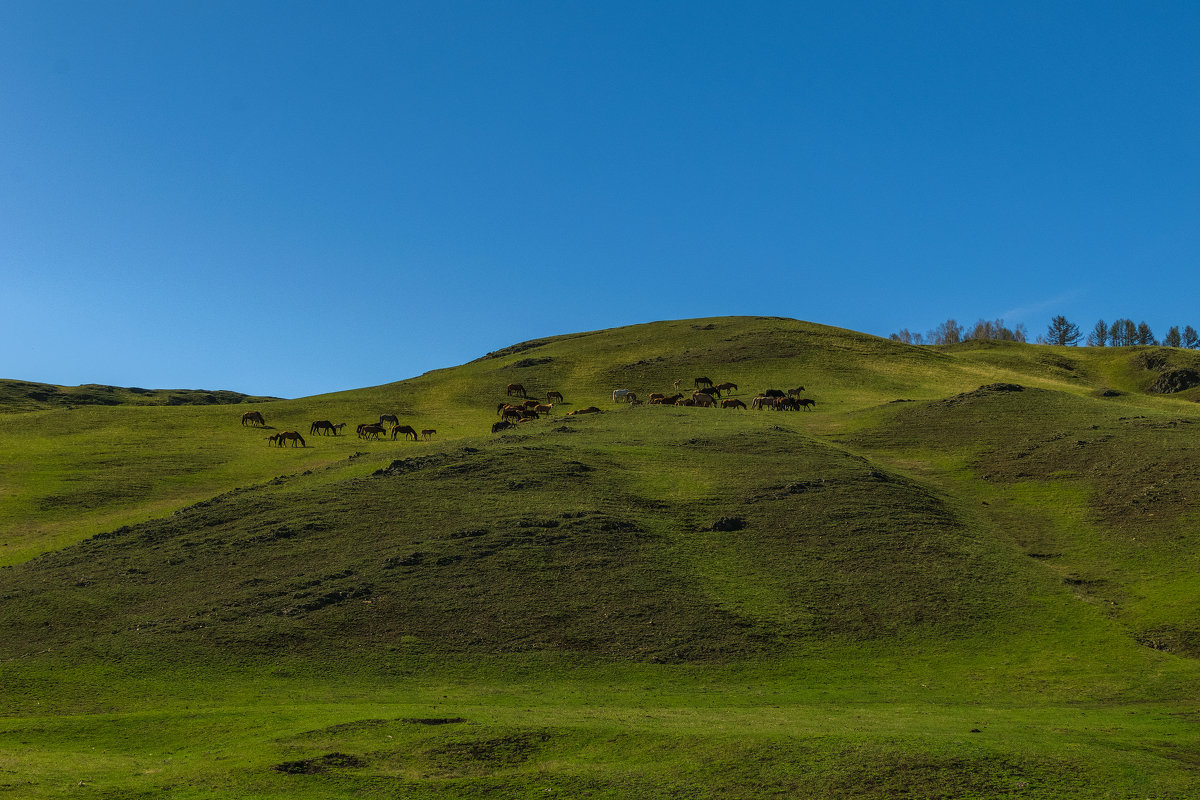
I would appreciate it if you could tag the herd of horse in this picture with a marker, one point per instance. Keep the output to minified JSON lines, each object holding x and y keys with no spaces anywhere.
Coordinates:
{"x":706,"y":394}
{"x":323,"y":427}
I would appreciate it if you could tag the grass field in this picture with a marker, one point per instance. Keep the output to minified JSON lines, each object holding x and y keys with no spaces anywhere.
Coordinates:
{"x":969,"y":572}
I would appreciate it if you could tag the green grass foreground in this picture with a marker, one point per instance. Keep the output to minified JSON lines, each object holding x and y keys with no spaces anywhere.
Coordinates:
{"x":970,"y":572}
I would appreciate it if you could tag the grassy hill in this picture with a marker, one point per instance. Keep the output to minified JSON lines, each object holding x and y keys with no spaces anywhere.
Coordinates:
{"x":967,"y":573}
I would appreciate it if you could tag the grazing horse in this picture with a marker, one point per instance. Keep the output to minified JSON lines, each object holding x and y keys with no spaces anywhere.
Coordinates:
{"x":500,"y":426}
{"x":542,"y":408}
{"x":407,"y":430}
{"x":320,"y":426}
{"x":370,"y":430}
{"x":772,"y":393}
{"x":795,"y":392}
{"x":703,"y":382}
{"x":703,"y":400}
{"x":253,"y":418}
{"x":725,"y":387}
{"x":621,"y":395}
{"x":732,"y":404}
{"x":806,"y":403}
{"x":337,"y":428}
{"x":273,"y":440}
{"x":428,"y":433}
{"x":512,"y":412}
{"x":760,"y":402}
{"x":553,"y":396}
{"x":514,"y":389}
{"x":292,"y":436}
{"x":388,"y":418}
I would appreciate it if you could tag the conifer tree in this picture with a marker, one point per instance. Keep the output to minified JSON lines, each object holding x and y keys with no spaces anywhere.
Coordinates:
{"x":1062,"y":332}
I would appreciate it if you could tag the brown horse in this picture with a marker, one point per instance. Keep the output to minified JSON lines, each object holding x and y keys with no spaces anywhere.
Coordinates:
{"x":732,"y":404}
{"x":554,"y":396}
{"x":407,"y":430}
{"x":253,"y":418}
{"x":806,"y":403}
{"x":370,"y":430}
{"x":428,"y":433}
{"x":292,"y":436}
{"x":542,"y":408}
{"x":702,"y":382}
{"x":385,"y":418}
{"x":725,"y":387}
{"x":501,"y":426}
{"x":588,"y":410}
{"x":320,"y":426}
{"x":702,"y":399}
{"x":514,"y":389}
{"x":760,"y":402}
{"x":795,"y":392}
{"x":273,"y":440}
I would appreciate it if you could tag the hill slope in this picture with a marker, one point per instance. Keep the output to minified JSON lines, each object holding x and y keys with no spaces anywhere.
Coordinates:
{"x":1003,"y":527}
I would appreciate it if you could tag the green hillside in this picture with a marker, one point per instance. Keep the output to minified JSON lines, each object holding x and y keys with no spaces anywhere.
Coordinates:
{"x":968,"y":571}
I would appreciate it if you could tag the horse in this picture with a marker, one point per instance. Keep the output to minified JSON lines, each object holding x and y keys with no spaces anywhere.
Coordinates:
{"x":388,"y":418}
{"x":321,"y":425}
{"x":553,"y":396}
{"x":254,"y":418}
{"x":732,"y":404}
{"x":337,"y":428}
{"x":760,"y":402}
{"x":703,"y":400}
{"x":675,"y":383}
{"x":725,"y":387}
{"x":772,"y":393}
{"x":512,"y":412}
{"x":620,"y":395}
{"x":795,"y":392}
{"x":407,"y":430}
{"x":514,"y":389}
{"x":273,"y":440}
{"x":588,"y":410}
{"x":806,"y":403}
{"x":786,"y":404}
{"x":542,"y":408}
{"x":292,"y":436}
{"x":500,"y":426}
{"x":370,"y":430}
{"x":702,"y":382}
{"x":428,"y":433}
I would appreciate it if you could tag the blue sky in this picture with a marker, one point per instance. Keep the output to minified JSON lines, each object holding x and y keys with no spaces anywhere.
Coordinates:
{"x":292,"y":198}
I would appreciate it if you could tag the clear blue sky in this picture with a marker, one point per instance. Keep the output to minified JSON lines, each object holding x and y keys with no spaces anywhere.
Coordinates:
{"x":291,"y":198}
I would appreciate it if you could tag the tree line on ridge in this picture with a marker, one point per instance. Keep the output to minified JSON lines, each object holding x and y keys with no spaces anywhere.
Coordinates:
{"x":1060,"y":331}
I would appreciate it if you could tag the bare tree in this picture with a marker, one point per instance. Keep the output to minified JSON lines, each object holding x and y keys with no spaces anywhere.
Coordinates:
{"x":949,"y":332}
{"x":1062,"y":332}
{"x":1099,"y":335}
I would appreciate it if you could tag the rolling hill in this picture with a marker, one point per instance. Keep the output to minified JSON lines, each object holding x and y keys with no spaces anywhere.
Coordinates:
{"x":968,"y":572}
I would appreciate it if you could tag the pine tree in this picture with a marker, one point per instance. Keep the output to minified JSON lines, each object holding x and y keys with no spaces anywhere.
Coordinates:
{"x":1099,"y":335}
{"x":1191,"y":338}
{"x":1173,"y":338}
{"x":1062,"y":332}
{"x":1144,"y":334}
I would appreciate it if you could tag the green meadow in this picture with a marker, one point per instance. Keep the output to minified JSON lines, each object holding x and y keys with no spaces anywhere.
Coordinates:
{"x":969,"y":571}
